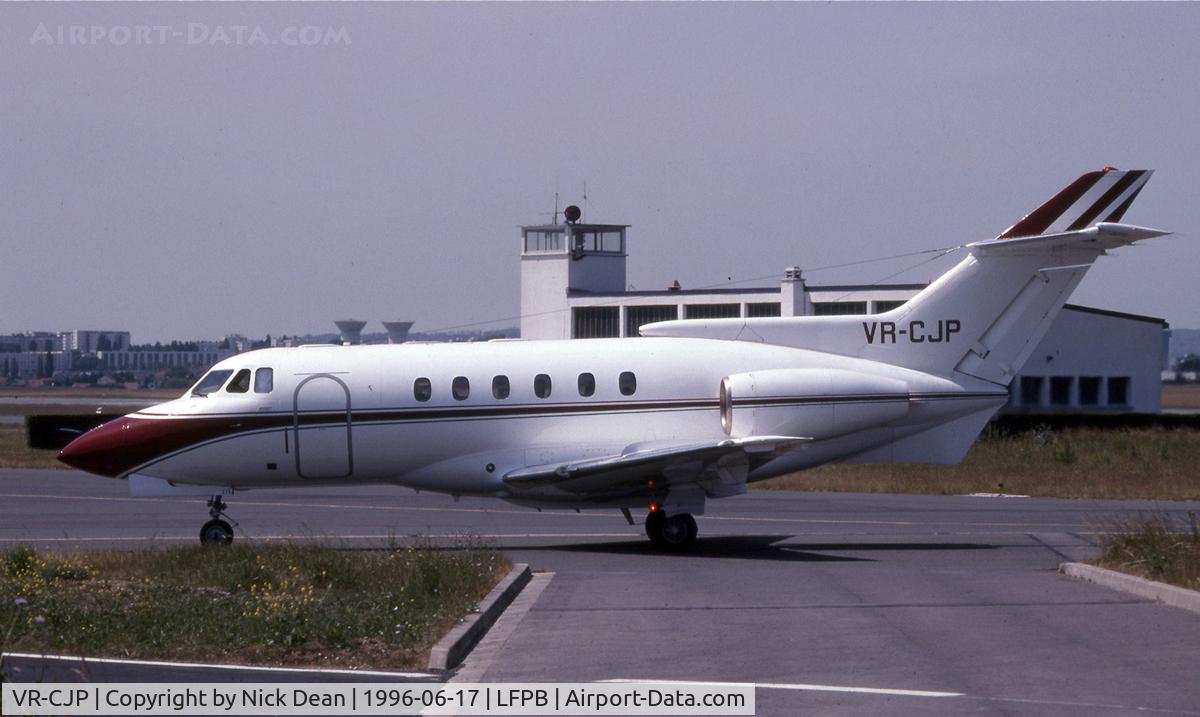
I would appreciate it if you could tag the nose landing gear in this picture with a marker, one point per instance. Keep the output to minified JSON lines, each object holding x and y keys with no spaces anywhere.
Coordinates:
{"x":217,"y":531}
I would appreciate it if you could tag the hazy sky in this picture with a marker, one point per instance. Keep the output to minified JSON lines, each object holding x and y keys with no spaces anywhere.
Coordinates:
{"x":181,"y":187}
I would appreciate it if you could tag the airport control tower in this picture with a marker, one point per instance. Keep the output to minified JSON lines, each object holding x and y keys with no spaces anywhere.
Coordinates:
{"x":568,"y":259}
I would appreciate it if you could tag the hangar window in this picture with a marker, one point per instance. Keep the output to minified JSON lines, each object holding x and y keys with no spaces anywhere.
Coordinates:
{"x":1031,"y":390}
{"x":1089,"y":390}
{"x":1060,"y":391}
{"x":713,"y":311}
{"x":460,"y":388}
{"x":627,"y":382}
{"x":596,"y":322}
{"x":264,"y":380}
{"x":240,"y":382}
{"x":882,"y":307}
{"x":422,"y":389}
{"x":211,"y":382}
{"x":587,"y":384}
{"x":839,"y":308}
{"x":635,"y":316}
{"x":500,"y":387}
{"x":541,"y":385}
{"x":1118,"y":390}
{"x":763,"y":309}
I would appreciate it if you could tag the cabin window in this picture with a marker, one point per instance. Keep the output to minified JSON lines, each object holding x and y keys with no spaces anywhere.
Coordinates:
{"x":587,"y":384}
{"x":500,"y":387}
{"x":422,"y":389}
{"x":264,"y":380}
{"x":212,"y":381}
{"x":240,"y":382}
{"x":627,"y":382}
{"x":541,"y":385}
{"x":460,"y":388}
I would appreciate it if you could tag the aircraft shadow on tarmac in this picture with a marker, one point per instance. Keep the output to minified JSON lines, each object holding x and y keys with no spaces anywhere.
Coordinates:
{"x":759,"y":547}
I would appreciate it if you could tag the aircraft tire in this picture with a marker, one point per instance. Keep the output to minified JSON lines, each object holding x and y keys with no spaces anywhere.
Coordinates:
{"x":675,"y":533}
{"x":654,"y":522}
{"x":216,"y":532}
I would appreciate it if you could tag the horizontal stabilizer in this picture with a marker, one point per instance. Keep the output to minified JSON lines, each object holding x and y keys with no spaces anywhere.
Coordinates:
{"x":1102,"y":236}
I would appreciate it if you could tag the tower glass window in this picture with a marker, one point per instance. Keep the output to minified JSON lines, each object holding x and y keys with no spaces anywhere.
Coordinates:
{"x":537,"y":240}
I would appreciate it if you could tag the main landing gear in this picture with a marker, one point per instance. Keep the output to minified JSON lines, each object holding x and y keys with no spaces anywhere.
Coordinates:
{"x":674,"y":533}
{"x":217,"y":531}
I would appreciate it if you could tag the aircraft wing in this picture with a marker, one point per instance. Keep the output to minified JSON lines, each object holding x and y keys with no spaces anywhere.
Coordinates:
{"x":720,"y":467}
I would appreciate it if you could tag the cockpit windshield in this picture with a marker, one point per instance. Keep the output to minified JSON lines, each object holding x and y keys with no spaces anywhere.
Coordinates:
{"x":212,"y":381}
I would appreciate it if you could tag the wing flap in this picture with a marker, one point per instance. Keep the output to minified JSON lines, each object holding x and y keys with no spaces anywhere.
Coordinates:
{"x":677,"y":463}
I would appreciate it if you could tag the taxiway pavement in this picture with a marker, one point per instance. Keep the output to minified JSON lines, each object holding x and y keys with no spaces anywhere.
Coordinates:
{"x":832,"y":603}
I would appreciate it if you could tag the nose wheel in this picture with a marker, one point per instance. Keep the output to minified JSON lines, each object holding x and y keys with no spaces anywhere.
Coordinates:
{"x":674,"y":533}
{"x":217,"y":531}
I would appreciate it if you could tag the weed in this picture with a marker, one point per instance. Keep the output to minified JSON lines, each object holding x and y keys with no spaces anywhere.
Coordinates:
{"x":1153,"y":548}
{"x":1118,"y":464}
{"x":272,"y":603}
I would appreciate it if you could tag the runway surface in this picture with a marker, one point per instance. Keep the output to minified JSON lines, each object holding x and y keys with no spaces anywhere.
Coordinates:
{"x":832,"y":603}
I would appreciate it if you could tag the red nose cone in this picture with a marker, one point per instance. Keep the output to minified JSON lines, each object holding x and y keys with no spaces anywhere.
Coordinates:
{"x":100,"y":450}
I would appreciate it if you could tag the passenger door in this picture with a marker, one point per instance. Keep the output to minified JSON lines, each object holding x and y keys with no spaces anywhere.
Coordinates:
{"x":321,"y":430}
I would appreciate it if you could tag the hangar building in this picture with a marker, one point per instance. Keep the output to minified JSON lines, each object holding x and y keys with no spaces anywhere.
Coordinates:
{"x":573,"y":285}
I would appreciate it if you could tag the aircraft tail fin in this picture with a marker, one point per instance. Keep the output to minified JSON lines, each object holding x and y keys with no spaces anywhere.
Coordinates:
{"x":991,"y":310}
{"x":986,"y":315}
{"x":1100,"y":196}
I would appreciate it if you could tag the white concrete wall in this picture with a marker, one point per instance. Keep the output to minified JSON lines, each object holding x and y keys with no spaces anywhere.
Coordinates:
{"x":544,"y":310}
{"x":1080,"y":343}
{"x":597,"y":272}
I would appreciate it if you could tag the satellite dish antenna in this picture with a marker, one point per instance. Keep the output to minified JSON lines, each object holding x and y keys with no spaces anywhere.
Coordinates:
{"x":572,"y":214}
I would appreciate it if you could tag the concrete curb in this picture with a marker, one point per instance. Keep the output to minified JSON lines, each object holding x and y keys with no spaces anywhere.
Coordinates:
{"x":452,"y":649}
{"x":1166,"y":594}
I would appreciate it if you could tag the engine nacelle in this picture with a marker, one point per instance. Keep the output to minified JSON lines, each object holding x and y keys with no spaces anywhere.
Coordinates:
{"x":809,"y":402}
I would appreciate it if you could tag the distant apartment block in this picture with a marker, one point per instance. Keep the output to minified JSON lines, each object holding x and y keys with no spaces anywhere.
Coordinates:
{"x":42,"y":354}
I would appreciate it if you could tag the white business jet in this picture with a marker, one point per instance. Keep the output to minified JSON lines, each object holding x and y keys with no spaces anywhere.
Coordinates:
{"x":692,"y":410}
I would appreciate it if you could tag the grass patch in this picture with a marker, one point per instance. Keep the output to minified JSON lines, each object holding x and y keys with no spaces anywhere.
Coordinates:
{"x":1181,"y":395}
{"x":16,"y":453}
{"x":263,"y":604}
{"x":1124,"y":464}
{"x":1152,"y":549}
